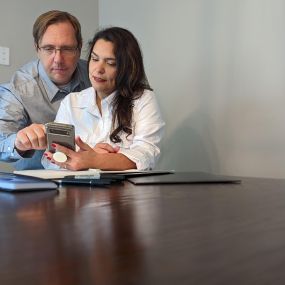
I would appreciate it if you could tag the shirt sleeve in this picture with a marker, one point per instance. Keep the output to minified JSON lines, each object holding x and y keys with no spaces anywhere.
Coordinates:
{"x":12,"y":118}
{"x":148,"y":128}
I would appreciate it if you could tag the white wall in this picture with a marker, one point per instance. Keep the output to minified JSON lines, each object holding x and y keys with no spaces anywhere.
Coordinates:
{"x":218,"y":68}
{"x":17,"y":19}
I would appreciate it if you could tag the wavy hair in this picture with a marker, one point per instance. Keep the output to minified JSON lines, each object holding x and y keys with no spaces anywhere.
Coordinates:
{"x":131,"y":80}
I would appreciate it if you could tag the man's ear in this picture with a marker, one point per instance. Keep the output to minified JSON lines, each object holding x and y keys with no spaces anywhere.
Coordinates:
{"x":36,"y":49}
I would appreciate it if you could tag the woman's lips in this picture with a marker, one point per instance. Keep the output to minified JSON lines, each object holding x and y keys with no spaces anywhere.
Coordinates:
{"x":98,"y":79}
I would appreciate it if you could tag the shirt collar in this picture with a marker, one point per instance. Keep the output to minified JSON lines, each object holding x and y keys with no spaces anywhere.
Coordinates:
{"x":87,"y":99}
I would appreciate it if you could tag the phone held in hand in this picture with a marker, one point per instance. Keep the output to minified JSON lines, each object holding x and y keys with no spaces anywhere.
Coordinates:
{"x":62,"y":134}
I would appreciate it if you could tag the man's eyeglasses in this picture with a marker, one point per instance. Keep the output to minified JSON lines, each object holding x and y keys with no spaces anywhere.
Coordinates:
{"x":65,"y":51}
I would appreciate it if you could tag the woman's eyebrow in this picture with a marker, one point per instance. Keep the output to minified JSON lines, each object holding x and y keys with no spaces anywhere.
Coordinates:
{"x":107,"y":58}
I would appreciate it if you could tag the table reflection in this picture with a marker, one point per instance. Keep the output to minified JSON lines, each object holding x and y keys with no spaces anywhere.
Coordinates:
{"x":74,"y":236}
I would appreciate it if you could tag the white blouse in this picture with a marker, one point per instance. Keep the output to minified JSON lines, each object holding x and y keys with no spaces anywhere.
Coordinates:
{"x":142,"y":146}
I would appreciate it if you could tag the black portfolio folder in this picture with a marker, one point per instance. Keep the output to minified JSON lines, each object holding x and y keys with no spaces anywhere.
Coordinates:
{"x":184,"y":178}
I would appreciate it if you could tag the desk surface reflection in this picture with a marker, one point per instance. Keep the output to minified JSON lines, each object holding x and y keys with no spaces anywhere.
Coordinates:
{"x":126,"y":234}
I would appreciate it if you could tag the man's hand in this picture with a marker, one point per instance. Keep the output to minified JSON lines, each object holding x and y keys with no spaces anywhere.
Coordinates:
{"x":32,"y":137}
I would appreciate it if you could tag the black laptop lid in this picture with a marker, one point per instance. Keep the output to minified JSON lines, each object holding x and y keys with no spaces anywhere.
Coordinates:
{"x":184,"y":178}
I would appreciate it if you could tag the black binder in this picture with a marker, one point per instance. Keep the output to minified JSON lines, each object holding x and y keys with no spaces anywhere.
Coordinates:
{"x":184,"y":178}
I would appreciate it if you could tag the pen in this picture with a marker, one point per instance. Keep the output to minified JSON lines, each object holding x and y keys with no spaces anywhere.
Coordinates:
{"x":92,"y":182}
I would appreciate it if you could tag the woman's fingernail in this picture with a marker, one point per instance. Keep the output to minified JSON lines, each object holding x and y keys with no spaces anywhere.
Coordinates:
{"x":48,"y":158}
{"x":53,"y":145}
{"x":45,"y":154}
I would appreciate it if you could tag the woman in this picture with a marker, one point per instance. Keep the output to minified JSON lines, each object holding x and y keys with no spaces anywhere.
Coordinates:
{"x":118,"y":117}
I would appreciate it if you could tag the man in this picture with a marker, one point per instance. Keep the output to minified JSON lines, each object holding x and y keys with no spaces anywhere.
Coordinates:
{"x":33,"y":95}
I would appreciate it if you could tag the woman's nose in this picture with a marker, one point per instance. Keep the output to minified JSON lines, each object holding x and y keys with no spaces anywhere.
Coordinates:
{"x":100,"y":67}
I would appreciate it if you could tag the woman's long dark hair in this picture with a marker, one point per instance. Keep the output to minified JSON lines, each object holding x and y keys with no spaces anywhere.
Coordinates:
{"x":130,"y":81}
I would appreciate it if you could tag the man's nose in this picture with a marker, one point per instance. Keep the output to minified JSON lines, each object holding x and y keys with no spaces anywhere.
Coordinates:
{"x":58,"y":56}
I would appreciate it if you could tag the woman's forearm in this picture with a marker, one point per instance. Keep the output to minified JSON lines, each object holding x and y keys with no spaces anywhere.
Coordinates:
{"x":111,"y":161}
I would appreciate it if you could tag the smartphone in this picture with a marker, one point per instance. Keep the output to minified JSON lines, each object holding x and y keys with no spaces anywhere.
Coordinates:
{"x":62,"y":134}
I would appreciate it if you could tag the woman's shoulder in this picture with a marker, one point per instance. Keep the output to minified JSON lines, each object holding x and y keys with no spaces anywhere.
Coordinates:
{"x":148,"y":92}
{"x":146,"y":97}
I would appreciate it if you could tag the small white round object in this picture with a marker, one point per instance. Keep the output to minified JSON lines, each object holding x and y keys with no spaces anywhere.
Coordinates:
{"x":59,"y":157}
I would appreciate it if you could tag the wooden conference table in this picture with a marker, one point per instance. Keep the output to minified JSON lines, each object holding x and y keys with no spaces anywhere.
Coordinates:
{"x":127,"y":234}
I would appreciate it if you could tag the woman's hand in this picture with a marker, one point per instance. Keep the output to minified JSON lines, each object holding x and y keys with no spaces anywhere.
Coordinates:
{"x":75,"y":160}
{"x":105,"y":148}
{"x":83,"y":158}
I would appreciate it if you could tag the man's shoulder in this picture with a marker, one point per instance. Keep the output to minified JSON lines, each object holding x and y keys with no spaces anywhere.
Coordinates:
{"x":82,"y":64}
{"x":23,"y":79}
{"x":25,"y":75}
{"x":81,"y":74}
{"x":28,"y":71}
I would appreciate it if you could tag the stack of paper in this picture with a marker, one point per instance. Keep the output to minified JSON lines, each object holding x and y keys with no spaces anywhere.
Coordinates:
{"x":55,"y":174}
{"x":61,"y":173}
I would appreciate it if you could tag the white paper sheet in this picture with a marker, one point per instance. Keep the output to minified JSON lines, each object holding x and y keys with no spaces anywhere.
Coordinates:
{"x":55,"y":174}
